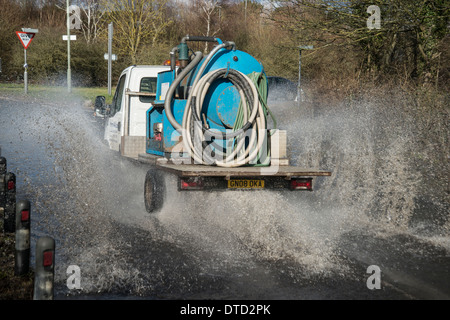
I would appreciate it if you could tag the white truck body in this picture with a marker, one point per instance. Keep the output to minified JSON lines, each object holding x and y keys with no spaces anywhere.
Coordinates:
{"x":125,"y":124}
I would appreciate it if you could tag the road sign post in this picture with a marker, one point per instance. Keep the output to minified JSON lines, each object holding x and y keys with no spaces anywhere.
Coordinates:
{"x":25,"y":73}
{"x":25,"y":38}
{"x":69,"y":75}
{"x":299,"y":88}
{"x":69,"y":37}
{"x":110,"y":37}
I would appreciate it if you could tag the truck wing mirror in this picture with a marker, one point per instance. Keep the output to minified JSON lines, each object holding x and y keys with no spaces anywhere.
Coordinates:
{"x":100,"y":106}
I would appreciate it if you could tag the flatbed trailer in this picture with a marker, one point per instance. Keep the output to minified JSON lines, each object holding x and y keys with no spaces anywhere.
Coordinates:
{"x":191,"y":177}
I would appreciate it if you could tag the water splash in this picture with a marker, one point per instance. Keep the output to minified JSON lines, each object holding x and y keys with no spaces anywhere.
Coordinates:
{"x":81,"y":192}
{"x":370,"y":147}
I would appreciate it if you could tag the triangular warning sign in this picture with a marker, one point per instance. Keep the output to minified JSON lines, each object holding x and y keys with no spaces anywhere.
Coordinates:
{"x":25,"y":38}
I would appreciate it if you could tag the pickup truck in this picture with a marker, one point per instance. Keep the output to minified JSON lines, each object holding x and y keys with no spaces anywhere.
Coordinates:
{"x":150,"y":120}
{"x":125,"y":118}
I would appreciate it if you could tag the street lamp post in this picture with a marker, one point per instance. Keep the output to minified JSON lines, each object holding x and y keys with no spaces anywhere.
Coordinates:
{"x":299,"y":88}
{"x":69,"y":76}
{"x":110,"y":37}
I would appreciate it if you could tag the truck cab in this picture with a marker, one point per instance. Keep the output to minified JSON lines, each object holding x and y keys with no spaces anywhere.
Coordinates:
{"x":125,"y":118}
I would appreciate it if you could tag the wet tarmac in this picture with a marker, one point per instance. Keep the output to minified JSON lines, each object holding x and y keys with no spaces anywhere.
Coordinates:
{"x":201,"y":246}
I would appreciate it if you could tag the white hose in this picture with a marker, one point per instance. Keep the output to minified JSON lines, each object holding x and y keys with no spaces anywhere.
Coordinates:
{"x":255,"y":122}
{"x":256,"y":119}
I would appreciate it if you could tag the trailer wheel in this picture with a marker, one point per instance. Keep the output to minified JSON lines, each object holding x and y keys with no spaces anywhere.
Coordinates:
{"x":153,"y":191}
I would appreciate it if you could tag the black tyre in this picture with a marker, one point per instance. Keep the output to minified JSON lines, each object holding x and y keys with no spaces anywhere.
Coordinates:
{"x":154,"y":190}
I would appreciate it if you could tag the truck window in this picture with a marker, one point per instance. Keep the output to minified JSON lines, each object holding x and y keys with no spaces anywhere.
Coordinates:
{"x":117,"y":100}
{"x":148,"y":85}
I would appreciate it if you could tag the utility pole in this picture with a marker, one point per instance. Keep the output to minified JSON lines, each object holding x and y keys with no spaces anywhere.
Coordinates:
{"x":69,"y":76}
{"x":110,"y":37}
{"x":110,"y":56}
{"x":299,"y":88}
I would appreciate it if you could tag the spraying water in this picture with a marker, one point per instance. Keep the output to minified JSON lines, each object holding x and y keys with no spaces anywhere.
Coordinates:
{"x":218,"y":244}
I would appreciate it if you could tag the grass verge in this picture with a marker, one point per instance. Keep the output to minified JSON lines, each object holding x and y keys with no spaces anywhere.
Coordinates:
{"x":12,"y":287}
{"x":40,"y":91}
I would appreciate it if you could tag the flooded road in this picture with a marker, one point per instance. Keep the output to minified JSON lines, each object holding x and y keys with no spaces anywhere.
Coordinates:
{"x":230,"y":245}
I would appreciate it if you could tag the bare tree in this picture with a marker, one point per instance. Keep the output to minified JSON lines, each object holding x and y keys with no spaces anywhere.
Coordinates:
{"x":201,"y":17}
{"x":209,"y":7}
{"x":91,"y":23}
{"x":136,"y":21}
{"x":89,"y":17}
{"x":409,"y":35}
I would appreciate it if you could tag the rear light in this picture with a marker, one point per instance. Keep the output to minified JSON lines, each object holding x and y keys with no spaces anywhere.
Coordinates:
{"x":301,"y":184}
{"x":48,"y":258}
{"x":25,"y":215}
{"x":11,"y":185}
{"x":191,"y":183}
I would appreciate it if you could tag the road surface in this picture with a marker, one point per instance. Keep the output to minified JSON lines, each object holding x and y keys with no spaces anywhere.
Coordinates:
{"x":221,"y":246}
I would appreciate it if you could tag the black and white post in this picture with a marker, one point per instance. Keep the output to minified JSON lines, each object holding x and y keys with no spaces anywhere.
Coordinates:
{"x":45,"y":269}
{"x":22,"y":252}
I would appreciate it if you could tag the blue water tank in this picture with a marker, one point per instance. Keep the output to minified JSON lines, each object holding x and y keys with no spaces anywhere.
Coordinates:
{"x":220,"y":105}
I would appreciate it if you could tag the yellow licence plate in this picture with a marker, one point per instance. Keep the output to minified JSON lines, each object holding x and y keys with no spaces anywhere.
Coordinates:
{"x":245,"y":184}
